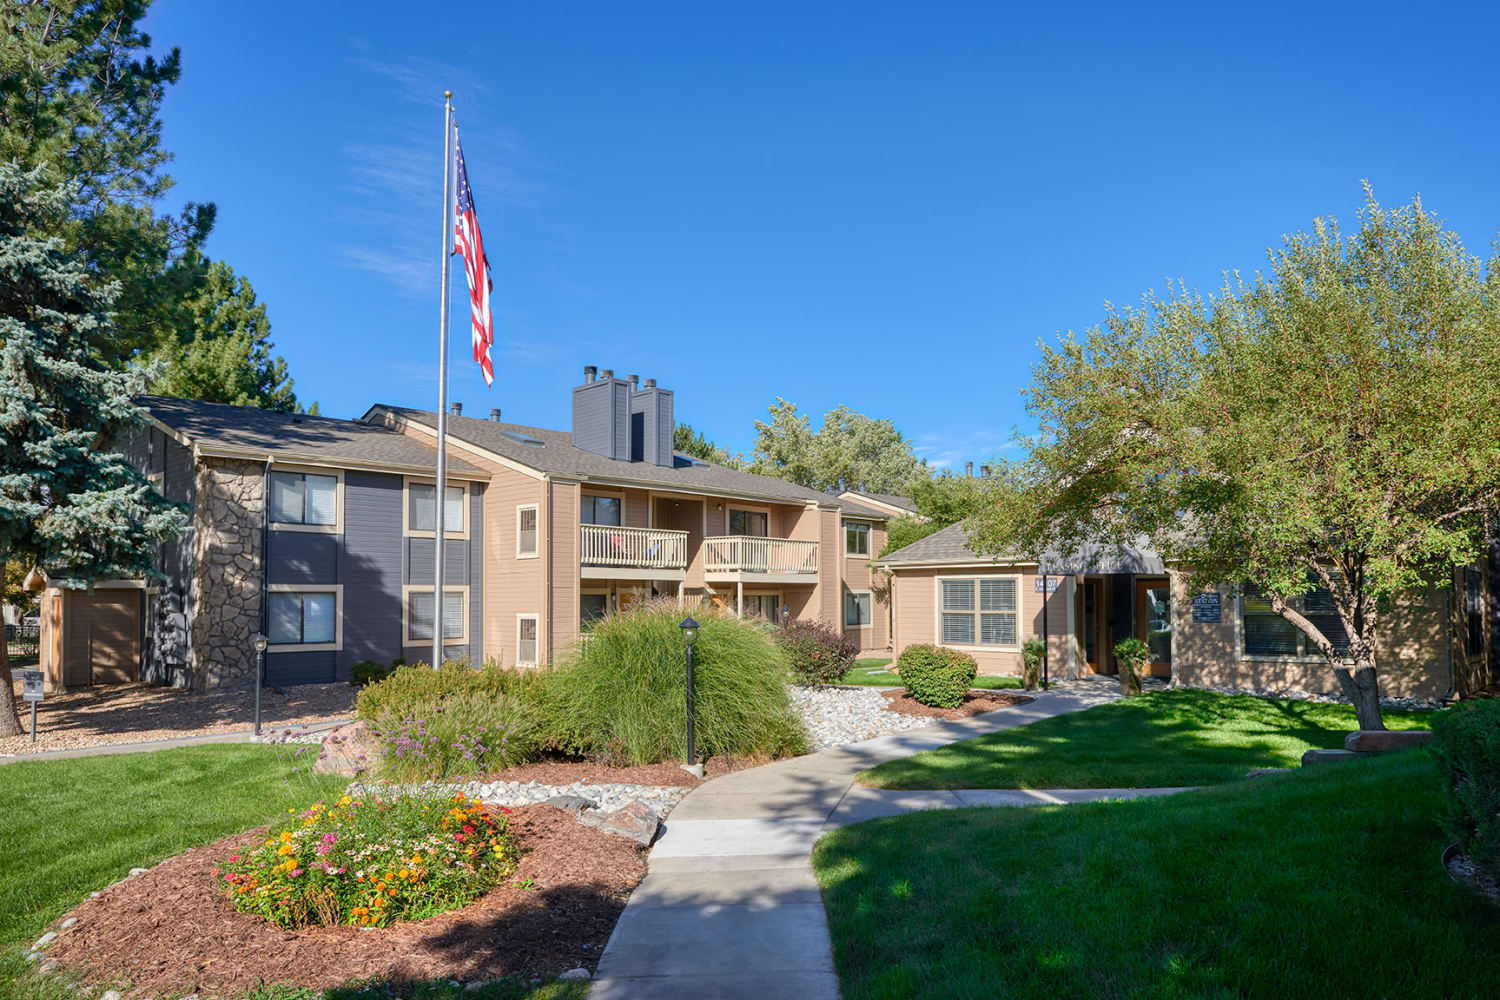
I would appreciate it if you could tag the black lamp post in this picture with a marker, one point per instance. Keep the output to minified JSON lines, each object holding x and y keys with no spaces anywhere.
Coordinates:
{"x":259,"y":641}
{"x":689,"y":636}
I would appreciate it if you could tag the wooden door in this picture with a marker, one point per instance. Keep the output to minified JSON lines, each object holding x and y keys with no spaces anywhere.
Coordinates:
{"x":112,"y":634}
{"x":1090,"y":617}
{"x":1153,"y":622}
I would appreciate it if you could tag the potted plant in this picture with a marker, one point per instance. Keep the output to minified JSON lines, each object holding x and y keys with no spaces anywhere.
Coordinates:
{"x":1031,"y":663}
{"x":1131,"y":656}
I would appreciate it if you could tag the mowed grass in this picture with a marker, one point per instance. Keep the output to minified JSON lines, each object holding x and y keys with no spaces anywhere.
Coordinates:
{"x":69,"y":827}
{"x":876,"y":672}
{"x":1322,"y":883}
{"x":1156,"y":739}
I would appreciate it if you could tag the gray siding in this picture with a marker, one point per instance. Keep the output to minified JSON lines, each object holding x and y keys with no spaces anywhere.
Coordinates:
{"x":308,"y":556}
{"x":420,"y":556}
{"x":601,"y":418}
{"x":476,"y":575}
{"x":370,"y":567}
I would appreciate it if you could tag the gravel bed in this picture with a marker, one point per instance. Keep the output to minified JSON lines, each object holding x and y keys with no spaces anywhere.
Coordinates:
{"x":834,"y":716}
{"x":607,"y":798}
{"x":1296,"y":694}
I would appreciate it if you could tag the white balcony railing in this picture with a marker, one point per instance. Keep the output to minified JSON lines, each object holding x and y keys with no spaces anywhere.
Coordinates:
{"x":749,"y":554}
{"x":632,"y":548}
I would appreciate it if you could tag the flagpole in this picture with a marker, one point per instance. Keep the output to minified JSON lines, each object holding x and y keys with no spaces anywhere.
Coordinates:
{"x":440,"y":492}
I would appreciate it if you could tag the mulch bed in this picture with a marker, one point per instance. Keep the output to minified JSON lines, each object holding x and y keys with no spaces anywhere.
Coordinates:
{"x":170,"y":931}
{"x":665,"y":774}
{"x":976,"y":702}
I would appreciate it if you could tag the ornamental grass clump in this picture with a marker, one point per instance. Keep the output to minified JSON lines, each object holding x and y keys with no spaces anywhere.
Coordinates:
{"x":816,"y":652}
{"x":369,"y":861}
{"x":622,"y":693}
{"x":936,"y":676}
{"x":468,"y":733}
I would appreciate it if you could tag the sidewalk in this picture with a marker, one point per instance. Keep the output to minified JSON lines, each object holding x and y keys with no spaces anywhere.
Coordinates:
{"x":243,"y":736}
{"x":730,"y":906}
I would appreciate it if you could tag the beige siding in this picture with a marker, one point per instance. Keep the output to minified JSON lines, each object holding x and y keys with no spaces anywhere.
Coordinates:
{"x":561,"y":627}
{"x":859,"y":576}
{"x":914,"y":593}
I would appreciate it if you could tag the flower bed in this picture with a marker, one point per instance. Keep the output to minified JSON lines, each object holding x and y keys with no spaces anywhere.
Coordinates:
{"x":370,"y":861}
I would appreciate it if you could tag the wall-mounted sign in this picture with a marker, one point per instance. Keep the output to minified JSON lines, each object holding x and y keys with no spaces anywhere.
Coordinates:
{"x":32,"y":685}
{"x":1052,"y":582}
{"x":1206,"y":607}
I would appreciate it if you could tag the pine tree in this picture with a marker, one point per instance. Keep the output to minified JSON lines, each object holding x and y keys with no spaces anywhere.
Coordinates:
{"x":79,"y":511}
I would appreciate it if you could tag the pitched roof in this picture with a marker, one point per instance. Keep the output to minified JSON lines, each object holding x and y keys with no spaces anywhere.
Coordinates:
{"x":950,"y":546}
{"x":220,"y":429}
{"x":889,"y":499}
{"x":552,"y":452}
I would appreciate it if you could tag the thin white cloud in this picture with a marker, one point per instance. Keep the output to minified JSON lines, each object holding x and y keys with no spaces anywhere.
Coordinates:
{"x":947,"y":451}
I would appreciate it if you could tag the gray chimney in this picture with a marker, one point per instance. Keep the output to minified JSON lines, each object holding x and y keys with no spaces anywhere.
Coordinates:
{"x":495,"y":414}
{"x":590,"y":372}
{"x":607,"y":373}
{"x":984,"y":472}
{"x":458,"y":409}
{"x":968,"y":468}
{"x":601,"y":416}
{"x":634,"y":381}
{"x":651,"y":425}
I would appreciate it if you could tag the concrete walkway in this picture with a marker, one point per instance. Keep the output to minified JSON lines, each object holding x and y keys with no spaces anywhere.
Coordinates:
{"x":730,"y":906}
{"x":145,"y":746}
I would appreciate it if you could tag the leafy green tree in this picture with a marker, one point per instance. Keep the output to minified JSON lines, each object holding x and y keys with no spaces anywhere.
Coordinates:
{"x":81,"y":512}
{"x":228,"y":359}
{"x":1330,"y":423}
{"x":691,"y":442}
{"x":942,"y":500}
{"x":849,"y":451}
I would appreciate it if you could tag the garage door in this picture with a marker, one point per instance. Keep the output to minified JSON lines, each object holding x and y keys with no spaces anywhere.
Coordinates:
{"x":106,"y":638}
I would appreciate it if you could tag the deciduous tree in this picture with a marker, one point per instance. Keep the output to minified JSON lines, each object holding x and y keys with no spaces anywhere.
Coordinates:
{"x":849,"y":451}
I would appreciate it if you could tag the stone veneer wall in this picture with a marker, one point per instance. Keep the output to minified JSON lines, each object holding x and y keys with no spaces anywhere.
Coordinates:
{"x":226,"y":570}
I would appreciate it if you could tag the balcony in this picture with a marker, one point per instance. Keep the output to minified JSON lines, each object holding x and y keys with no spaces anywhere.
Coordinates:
{"x":746,"y":558}
{"x":611,"y":552}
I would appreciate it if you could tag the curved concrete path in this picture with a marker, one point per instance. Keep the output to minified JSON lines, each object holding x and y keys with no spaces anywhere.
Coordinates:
{"x":730,"y":907}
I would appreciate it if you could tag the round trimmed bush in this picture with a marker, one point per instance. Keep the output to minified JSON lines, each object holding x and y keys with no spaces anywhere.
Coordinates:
{"x":936,"y":676}
{"x":621,"y":694}
{"x":816,"y":652}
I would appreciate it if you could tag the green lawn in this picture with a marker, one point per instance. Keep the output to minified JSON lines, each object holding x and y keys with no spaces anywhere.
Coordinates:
{"x":876,"y":672}
{"x":1323,"y":883}
{"x":1158,"y":738}
{"x":72,"y":826}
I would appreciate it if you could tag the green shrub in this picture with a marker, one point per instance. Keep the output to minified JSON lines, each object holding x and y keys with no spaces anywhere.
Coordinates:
{"x":1131,"y":657}
{"x":816,"y":652}
{"x":936,"y":676}
{"x":622,"y":694}
{"x":1032,"y":651}
{"x":366,"y":672}
{"x":399,"y":661}
{"x":412,"y":692}
{"x":1466,"y":747}
{"x":466,"y":733}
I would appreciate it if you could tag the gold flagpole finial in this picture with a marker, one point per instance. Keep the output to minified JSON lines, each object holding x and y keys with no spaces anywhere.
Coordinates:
{"x":448,"y":95}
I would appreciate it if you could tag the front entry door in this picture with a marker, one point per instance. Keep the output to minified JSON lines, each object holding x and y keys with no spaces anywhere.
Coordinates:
{"x":1153,"y":623}
{"x":1089,"y":622}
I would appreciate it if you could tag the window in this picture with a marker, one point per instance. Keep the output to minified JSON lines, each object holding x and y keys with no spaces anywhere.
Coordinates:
{"x":1474,"y":612}
{"x":599,"y":510}
{"x":857,"y":609}
{"x":1267,"y":634}
{"x":304,"y":499}
{"x":304,"y":617}
{"x":421,"y":509}
{"x":419,"y":614}
{"x":592,"y":607}
{"x":982,"y":612}
{"x":526,"y":645}
{"x":762,"y":606}
{"x":755,"y":523}
{"x":856,"y":538}
{"x":526,"y":532}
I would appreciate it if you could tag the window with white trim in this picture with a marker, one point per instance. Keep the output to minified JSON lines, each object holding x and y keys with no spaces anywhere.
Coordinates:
{"x":980,"y":612}
{"x":1266,"y":634}
{"x":421,"y":508}
{"x":856,"y":538}
{"x":420,"y":614}
{"x":526,"y":532}
{"x":857,"y":608}
{"x":304,"y":498}
{"x":301,"y":617}
{"x":526,"y":640}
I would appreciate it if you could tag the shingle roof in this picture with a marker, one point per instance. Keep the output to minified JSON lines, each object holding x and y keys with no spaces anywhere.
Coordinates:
{"x":553,"y":453}
{"x":905,"y":503}
{"x":951,"y":545}
{"x":217,"y":427}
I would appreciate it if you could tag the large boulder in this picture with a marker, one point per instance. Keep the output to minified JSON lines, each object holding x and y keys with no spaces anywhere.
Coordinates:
{"x":635,"y":820}
{"x":348,"y":750}
{"x":1386,"y":740}
{"x":1311,"y":757}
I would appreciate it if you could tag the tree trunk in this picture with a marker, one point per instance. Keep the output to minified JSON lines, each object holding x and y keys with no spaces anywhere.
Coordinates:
{"x":1360,"y":687}
{"x":10,"y":722}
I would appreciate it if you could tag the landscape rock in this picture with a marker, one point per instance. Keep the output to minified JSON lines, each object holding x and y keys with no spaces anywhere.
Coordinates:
{"x":635,"y":821}
{"x":572,"y":803}
{"x":67,"y":923}
{"x":579,"y":973}
{"x":1328,"y":756}
{"x":48,"y":967}
{"x":111,"y":995}
{"x":348,"y":750}
{"x":44,"y":940}
{"x":1261,"y":772}
{"x":139,"y":871}
{"x":1385,"y":740}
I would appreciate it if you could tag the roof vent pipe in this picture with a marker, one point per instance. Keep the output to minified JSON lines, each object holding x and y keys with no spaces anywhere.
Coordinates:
{"x":495,"y":414}
{"x":458,"y":409}
{"x":984,"y":472}
{"x":607,"y":373}
{"x":590,"y":372}
{"x":650,"y":383}
{"x":634,"y":381}
{"x":968,"y":468}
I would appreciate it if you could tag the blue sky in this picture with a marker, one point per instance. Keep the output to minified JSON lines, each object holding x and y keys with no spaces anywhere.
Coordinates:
{"x":884,"y":205}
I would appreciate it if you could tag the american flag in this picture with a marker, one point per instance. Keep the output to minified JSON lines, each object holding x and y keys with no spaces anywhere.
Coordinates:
{"x":476,"y":265}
